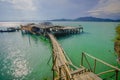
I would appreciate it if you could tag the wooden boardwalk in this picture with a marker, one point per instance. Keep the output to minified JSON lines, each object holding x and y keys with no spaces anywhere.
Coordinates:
{"x":62,"y":65}
{"x":63,"y":68}
{"x":53,"y":29}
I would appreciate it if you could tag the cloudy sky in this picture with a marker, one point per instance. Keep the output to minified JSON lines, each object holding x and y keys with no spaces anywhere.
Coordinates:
{"x":55,"y":9}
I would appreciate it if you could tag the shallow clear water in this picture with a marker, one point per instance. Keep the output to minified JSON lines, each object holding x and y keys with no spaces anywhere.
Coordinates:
{"x":25,"y":57}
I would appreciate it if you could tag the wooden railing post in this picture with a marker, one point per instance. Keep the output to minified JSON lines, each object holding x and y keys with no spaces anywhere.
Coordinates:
{"x":60,"y":76}
{"x":116,"y":71}
{"x":94,"y":65}
{"x":82,"y":59}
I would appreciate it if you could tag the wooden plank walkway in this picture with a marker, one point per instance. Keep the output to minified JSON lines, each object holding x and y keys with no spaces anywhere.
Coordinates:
{"x":62,"y":66}
{"x":60,"y":61}
{"x":86,"y":76}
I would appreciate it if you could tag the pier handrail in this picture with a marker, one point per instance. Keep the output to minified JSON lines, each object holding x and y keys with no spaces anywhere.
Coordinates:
{"x":101,"y":61}
{"x":114,"y":68}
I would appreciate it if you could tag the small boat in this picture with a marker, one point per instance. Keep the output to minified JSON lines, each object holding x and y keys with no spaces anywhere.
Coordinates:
{"x":10,"y":29}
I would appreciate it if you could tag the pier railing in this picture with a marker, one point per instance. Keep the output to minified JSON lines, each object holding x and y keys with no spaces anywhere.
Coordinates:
{"x":63,"y":68}
{"x":86,"y":62}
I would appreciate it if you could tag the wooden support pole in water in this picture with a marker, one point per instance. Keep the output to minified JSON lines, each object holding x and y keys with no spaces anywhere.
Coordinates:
{"x":54,"y":61}
{"x":53,"y":75}
{"x":53,"y":64}
{"x":60,"y":76}
{"x":116,"y":71}
{"x":78,"y":30}
{"x":94,"y":65}
{"x":49,"y":59}
{"x":82,"y":29}
{"x":82,"y":59}
{"x":53,"y":70}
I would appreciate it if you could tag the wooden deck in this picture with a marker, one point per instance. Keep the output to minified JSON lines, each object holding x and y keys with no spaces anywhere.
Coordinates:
{"x":53,"y":29}
{"x":61,"y":65}
{"x":86,"y":76}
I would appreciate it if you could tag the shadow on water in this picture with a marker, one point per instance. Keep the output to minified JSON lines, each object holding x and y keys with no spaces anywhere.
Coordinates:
{"x":69,"y":36}
{"x":45,"y":40}
{"x":36,"y":38}
{"x":40,"y":41}
{"x":86,"y":33}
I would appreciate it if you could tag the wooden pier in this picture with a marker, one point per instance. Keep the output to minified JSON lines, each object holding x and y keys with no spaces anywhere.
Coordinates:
{"x":62,"y":65}
{"x":63,"y":68}
{"x":49,"y":28}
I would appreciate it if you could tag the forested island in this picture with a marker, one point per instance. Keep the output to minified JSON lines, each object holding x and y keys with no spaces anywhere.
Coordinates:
{"x":89,"y":18}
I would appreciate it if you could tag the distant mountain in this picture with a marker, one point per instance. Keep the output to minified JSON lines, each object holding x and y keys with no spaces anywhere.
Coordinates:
{"x":77,"y":19}
{"x":62,"y":20}
{"x":88,"y":19}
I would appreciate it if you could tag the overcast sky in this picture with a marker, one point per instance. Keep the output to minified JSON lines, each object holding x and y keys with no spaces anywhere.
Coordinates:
{"x":55,"y":9}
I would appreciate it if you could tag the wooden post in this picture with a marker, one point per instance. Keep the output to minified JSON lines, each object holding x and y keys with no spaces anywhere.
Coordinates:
{"x":94,"y":65}
{"x":79,"y":30}
{"x":60,"y":76}
{"x":82,"y":29}
{"x":82,"y":59}
{"x":53,"y":75}
{"x":116,"y":74}
{"x":53,"y":68}
{"x":54,"y":62}
{"x":49,"y":59}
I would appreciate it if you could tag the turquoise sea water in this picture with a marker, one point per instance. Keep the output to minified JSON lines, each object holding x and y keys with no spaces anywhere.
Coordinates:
{"x":25,"y":57}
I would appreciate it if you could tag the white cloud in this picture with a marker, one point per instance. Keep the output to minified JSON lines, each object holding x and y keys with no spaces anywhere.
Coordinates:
{"x":106,"y":7}
{"x":22,"y":4}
